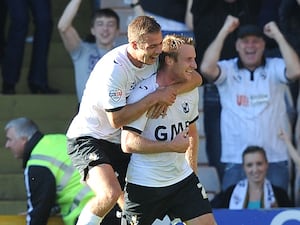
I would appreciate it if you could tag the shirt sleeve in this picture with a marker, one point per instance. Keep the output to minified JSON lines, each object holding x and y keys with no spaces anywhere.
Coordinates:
{"x":75,"y":54}
{"x":114,"y":89}
{"x":225,"y":67}
{"x":279,"y":67}
{"x":41,"y":192}
{"x":143,"y":89}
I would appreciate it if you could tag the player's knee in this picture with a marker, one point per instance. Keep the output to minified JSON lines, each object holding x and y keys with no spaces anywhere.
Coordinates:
{"x":209,"y":220}
{"x":111,"y":195}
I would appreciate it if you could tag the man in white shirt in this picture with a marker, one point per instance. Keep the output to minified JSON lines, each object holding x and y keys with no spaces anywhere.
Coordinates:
{"x":162,"y":181}
{"x":252,"y":89}
{"x":94,"y":133}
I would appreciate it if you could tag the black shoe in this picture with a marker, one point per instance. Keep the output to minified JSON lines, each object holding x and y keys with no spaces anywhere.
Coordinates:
{"x":8,"y":89}
{"x":36,"y":89}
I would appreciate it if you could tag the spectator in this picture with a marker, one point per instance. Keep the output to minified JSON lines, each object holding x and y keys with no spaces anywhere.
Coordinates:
{"x":291,"y":149}
{"x":256,"y":191}
{"x":94,"y":134}
{"x":252,"y":92}
{"x":104,"y":27}
{"x":52,"y":184}
{"x":208,"y":18}
{"x":3,"y":15}
{"x":159,"y":181}
{"x":12,"y":62}
{"x":207,"y":25}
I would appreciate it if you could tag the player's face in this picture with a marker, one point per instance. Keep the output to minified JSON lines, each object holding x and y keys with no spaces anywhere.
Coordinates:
{"x":255,"y":167}
{"x":14,"y":143}
{"x":149,"y":50}
{"x":186,"y":62}
{"x":105,"y":30}
{"x":251,"y":50}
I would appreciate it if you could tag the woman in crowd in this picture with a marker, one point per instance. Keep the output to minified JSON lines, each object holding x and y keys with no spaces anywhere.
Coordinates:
{"x":255,"y":191}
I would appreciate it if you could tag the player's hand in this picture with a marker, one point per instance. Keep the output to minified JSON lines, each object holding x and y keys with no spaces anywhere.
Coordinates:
{"x":181,"y":141}
{"x":157,"y":110}
{"x":166,"y":96}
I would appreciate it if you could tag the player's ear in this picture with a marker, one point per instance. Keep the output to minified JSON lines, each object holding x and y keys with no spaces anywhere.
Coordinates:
{"x":134,"y":44}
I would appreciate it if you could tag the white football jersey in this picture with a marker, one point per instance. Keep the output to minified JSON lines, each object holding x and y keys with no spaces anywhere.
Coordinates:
{"x":109,"y":85}
{"x":161,"y":169}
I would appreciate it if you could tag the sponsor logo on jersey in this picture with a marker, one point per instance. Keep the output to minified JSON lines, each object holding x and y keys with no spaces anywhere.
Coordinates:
{"x":185,"y":107}
{"x":243,"y":100}
{"x":164,"y":133}
{"x":115,"y":94}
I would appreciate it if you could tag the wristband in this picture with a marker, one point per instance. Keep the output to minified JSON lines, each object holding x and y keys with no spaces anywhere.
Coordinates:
{"x":132,"y":5}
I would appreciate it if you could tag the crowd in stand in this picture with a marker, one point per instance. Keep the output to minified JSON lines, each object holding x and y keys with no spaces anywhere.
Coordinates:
{"x":218,"y":137}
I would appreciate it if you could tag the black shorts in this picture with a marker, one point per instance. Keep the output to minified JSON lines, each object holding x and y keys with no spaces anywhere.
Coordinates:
{"x":185,"y":200}
{"x":87,"y":152}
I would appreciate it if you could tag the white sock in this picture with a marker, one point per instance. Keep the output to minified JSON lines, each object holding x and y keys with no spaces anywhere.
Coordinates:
{"x":88,"y":218}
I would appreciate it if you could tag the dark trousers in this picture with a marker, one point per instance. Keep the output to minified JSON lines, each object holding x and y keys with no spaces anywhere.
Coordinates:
{"x":212,"y":111}
{"x":3,"y":14}
{"x":18,"y":11}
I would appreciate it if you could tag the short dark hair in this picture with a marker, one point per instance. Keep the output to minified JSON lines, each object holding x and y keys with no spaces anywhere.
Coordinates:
{"x":140,"y":26}
{"x":105,"y":12}
{"x":254,"y":149}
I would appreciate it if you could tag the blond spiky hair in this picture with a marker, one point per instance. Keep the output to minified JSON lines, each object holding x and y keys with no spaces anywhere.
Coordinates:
{"x":170,"y":46}
{"x":172,"y":43}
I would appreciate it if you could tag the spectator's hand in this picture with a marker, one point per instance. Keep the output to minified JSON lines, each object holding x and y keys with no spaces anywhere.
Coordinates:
{"x":271,"y":30}
{"x":282,"y":134}
{"x":230,"y":24}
